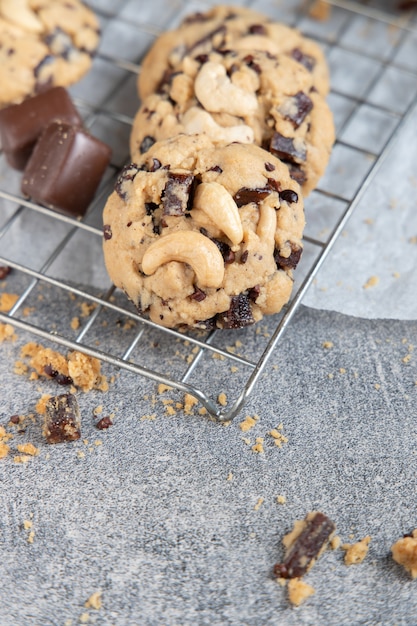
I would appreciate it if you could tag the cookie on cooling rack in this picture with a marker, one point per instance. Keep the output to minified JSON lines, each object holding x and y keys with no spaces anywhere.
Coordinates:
{"x":246,"y":97}
{"x":43,"y":43}
{"x":229,"y":28}
{"x":204,"y":236}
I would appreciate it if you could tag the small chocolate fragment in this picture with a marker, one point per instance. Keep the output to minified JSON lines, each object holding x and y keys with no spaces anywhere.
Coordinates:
{"x":269,"y":166}
{"x":104,"y":422}
{"x":127,"y":174}
{"x":291,"y":261}
{"x":245,"y":195}
{"x":288,"y":195}
{"x":286,"y":149}
{"x":107,"y":233}
{"x":307,"y":60}
{"x":4,"y":271}
{"x":239,"y":314}
{"x":147,"y":142}
{"x":177,"y":196}
{"x":22,"y":124}
{"x":198,"y":295}
{"x":297,"y":173}
{"x":65,"y":169}
{"x":297,"y":108}
{"x":304,"y":547}
{"x":257,"y":29}
{"x":62,"y":419}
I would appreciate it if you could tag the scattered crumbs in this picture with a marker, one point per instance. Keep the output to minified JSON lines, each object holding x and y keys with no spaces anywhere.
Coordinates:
{"x":98,"y":410}
{"x":404,"y":552}
{"x":40,"y":407}
{"x":248,"y":441}
{"x":189,"y":403}
{"x":248,"y":423}
{"x":98,"y":442}
{"x":162,"y":388}
{"x":275,"y":367}
{"x":222,"y":399}
{"x":220,"y":357}
{"x":94,"y":601}
{"x":229,"y":476}
{"x":281,"y":499}
{"x":21,"y":458}
{"x":407,"y":358}
{"x":28,"y":448}
{"x":84,"y":618}
{"x":327,"y":344}
{"x":87,"y":308}
{"x":75,"y":323}
{"x":148,"y":417}
{"x":4,"y":450}
{"x":80,"y":454}
{"x":377,"y":386}
{"x":68,"y":622}
{"x":169,"y":410}
{"x":281,"y":581}
{"x":342,"y":370}
{"x":7,"y":301}
{"x":202,"y":411}
{"x":259,"y":504}
{"x":258,"y":447}
{"x":85,"y":442}
{"x":7,"y":332}
{"x":27,"y":524}
{"x":335,"y":542}
{"x":330,"y":375}
{"x":4,"y":436}
{"x":299,"y":591}
{"x":369,"y":221}
{"x":234,"y":369}
{"x":278,"y":437}
{"x":356,"y":552}
{"x":396,"y":274}
{"x":371,"y":282}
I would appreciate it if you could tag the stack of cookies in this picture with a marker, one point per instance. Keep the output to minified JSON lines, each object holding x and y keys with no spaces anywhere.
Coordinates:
{"x":204,"y":227}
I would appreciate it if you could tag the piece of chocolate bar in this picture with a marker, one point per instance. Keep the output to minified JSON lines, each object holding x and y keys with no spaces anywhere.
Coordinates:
{"x":22,"y":124}
{"x":62,"y":419}
{"x":65,"y":168}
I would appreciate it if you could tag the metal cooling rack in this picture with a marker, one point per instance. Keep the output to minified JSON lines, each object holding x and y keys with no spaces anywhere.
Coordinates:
{"x":355,"y":40}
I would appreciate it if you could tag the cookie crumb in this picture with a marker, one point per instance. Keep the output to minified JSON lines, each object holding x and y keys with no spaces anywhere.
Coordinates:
{"x":371,"y":282}
{"x":356,"y":552}
{"x":259,"y":504}
{"x":327,"y":345}
{"x":7,"y":301}
{"x":7,"y":332}
{"x":335,"y":542}
{"x":222,"y":399}
{"x":299,"y":591}
{"x":248,"y":423}
{"x":4,"y":450}
{"x":281,"y":499}
{"x":230,"y":476}
{"x":75,"y":323}
{"x":28,"y":448}
{"x":404,"y":552}
{"x":320,"y":10}
{"x":189,"y":403}
{"x":94,"y":601}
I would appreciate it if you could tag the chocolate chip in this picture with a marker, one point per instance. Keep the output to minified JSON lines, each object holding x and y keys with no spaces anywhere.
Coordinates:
{"x":127,"y":174}
{"x":107,"y":234}
{"x":104,"y":422}
{"x":307,"y":546}
{"x":307,"y":60}
{"x":244,"y":256}
{"x":269,"y":167}
{"x":297,"y":173}
{"x":177,"y":194}
{"x":239,"y":314}
{"x":61,"y":379}
{"x":250,"y":62}
{"x":155,"y":165}
{"x":257,"y":29}
{"x":4,"y":271}
{"x":62,"y":419}
{"x":202,"y":58}
{"x":297,"y":108}
{"x":216,"y":168}
{"x":225,"y":250}
{"x":291,"y":261}
{"x":245,"y":195}
{"x":254,"y":292}
{"x":146,"y":143}
{"x":220,"y":30}
{"x":49,"y":371}
{"x":15,"y":419}
{"x":285,"y":149}
{"x":198,"y":294}
{"x":288,"y":195}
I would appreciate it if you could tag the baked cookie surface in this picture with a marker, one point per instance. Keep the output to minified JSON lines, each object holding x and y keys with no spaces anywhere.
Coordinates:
{"x":259,"y":97}
{"x":204,"y":236}
{"x":44,"y":43}
{"x":224,"y":28}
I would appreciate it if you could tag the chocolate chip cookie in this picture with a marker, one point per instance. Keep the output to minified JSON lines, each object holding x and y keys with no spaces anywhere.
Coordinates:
{"x":229,"y":28}
{"x":204,"y":236}
{"x":43,"y":43}
{"x":255,"y":97}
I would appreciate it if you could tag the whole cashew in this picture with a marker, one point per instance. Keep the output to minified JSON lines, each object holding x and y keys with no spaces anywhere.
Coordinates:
{"x":187,"y":247}
{"x":218,"y":94}
{"x":19,"y":12}
{"x":267,"y":225}
{"x":196,"y":121}
{"x":219,"y":205}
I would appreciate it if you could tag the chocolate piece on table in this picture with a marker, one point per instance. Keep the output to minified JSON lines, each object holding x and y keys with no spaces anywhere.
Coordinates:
{"x":65,"y":168}
{"x":22,"y":124}
{"x":62,"y":419}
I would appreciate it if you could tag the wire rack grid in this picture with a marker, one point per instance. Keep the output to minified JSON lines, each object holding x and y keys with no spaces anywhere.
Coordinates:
{"x":373,"y":62}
